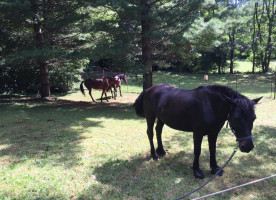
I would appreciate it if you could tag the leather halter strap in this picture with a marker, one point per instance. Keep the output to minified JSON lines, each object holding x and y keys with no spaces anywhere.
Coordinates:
{"x":249,"y":137}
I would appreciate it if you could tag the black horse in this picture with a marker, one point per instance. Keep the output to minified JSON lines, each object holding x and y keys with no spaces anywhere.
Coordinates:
{"x":202,"y":111}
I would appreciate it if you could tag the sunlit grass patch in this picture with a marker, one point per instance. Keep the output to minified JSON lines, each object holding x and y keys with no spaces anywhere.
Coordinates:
{"x":71,"y":148}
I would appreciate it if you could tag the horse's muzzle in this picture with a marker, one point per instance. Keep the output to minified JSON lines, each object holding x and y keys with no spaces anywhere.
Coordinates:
{"x":246,"y":146}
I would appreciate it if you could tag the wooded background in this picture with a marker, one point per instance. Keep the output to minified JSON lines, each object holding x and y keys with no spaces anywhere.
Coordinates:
{"x":45,"y":45}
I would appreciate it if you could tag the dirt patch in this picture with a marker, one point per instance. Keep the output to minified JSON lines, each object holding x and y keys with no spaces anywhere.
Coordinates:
{"x":25,"y":99}
{"x":61,"y":102}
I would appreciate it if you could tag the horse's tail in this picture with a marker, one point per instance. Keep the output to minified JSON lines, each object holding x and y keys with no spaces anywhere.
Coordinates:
{"x":138,"y":105}
{"x":81,"y":88}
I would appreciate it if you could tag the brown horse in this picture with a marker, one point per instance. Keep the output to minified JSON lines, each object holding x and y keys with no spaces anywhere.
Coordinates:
{"x":98,"y":84}
{"x":121,"y":77}
{"x":114,"y":83}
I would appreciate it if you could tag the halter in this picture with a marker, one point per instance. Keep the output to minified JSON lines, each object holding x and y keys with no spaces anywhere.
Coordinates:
{"x":249,"y":137}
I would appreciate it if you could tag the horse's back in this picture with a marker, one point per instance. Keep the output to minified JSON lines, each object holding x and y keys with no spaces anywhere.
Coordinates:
{"x":98,"y":83}
{"x":168,"y":104}
{"x":163,"y":94}
{"x":186,"y":110}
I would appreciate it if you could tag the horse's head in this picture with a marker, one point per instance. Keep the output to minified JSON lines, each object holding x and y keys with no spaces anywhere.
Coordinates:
{"x":124,"y":78}
{"x":241,"y":118}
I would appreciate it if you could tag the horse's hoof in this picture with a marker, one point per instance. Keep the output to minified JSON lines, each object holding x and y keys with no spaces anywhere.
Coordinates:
{"x":161,"y":152}
{"x":155,"y":157}
{"x":198,"y":174}
{"x":215,"y":170}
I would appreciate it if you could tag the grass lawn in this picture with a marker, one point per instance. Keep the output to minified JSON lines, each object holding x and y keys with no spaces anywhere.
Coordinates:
{"x":243,"y":66}
{"x":251,"y":85}
{"x":71,"y":148}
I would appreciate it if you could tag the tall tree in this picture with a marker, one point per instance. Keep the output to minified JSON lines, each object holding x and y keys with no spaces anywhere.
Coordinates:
{"x":235,"y":16}
{"x":39,"y":44}
{"x":49,"y":33}
{"x":263,"y":41}
{"x":254,"y":47}
{"x":146,"y":42}
{"x":270,"y":14}
{"x":160,"y":26}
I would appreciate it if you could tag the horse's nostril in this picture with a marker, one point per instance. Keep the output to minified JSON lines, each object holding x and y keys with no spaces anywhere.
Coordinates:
{"x":246,"y":149}
{"x":242,"y":148}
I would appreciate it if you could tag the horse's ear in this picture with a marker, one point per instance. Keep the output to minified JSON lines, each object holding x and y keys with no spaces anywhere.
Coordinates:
{"x":256,"y":100}
{"x":229,"y":100}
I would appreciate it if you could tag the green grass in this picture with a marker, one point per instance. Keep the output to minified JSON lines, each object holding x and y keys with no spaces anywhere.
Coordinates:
{"x":243,"y":66}
{"x":251,"y":85}
{"x":74,"y":149}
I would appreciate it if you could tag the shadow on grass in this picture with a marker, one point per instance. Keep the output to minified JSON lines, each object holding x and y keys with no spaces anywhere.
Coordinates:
{"x":49,"y":132}
{"x":171,"y":177}
{"x":140,"y":177}
{"x":263,"y":138}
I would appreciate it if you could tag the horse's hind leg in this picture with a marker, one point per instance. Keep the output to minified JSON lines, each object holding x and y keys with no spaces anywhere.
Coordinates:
{"x":91,"y":95}
{"x":160,"y":149}
{"x":150,"y":123}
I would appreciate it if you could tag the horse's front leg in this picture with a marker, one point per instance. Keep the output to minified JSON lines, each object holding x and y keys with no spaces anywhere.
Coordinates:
{"x":120,"y":91}
{"x":111,"y":92}
{"x":197,"y":150}
{"x":115,"y":92}
{"x":104,"y":92}
{"x":212,"y":139}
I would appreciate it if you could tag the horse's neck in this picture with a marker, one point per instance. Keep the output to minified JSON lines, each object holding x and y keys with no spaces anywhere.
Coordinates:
{"x":120,"y":76}
{"x":222,"y":106}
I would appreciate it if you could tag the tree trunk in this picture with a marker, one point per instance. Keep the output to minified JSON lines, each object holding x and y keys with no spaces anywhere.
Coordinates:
{"x":253,"y":38}
{"x":147,"y":80}
{"x":146,"y":44}
{"x":219,"y":63}
{"x":270,"y":16}
{"x":232,"y":48}
{"x":44,"y":81}
{"x":259,"y":33}
{"x":2,"y":87}
{"x":38,"y":34}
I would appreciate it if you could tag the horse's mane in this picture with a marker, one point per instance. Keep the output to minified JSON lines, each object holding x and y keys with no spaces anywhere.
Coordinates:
{"x":242,"y":101}
{"x":227,"y":91}
{"x":120,"y":75}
